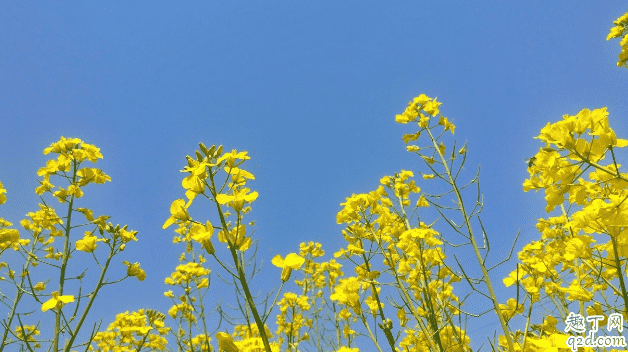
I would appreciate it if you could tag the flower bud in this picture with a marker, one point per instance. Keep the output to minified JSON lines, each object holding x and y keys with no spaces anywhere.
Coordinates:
{"x":209,"y":247}
{"x":203,"y":148}
{"x":285,"y":274}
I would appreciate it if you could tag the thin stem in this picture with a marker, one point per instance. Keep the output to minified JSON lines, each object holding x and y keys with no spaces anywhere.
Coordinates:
{"x":525,"y":333}
{"x":64,"y":263}
{"x":385,"y":325}
{"x":240,"y":270}
{"x":92,"y":298}
{"x":20,"y":292}
{"x":274,"y":302}
{"x":407,"y":299}
{"x":370,"y":333}
{"x":478,"y":255}
{"x":622,"y":283}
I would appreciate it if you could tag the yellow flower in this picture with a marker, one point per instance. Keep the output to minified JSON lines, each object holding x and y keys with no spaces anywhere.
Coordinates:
{"x":424,"y":121}
{"x":239,"y":176}
{"x":236,"y":237}
{"x":62,"y":146}
{"x":61,"y":194}
{"x":512,"y":277}
{"x":178,"y":211}
{"x":292,"y":261}
{"x":555,"y":342}
{"x":141,"y":330}
{"x":347,"y":349}
{"x":88,"y":243}
{"x":27,"y":332}
{"x":9,"y":235}
{"x":225,"y":343}
{"x":88,"y":213}
{"x":441,"y":148}
{"x":3,"y":197}
{"x":429,"y":160}
{"x":431,"y":107}
{"x":402,"y":316}
{"x":237,"y":200}
{"x":88,"y":151}
{"x":313,"y":248}
{"x":577,"y":292}
{"x":92,"y":175}
{"x":347,"y":292}
{"x":422,"y":202}
{"x":134,"y":270}
{"x":56,"y":301}
{"x":596,"y":309}
{"x":411,"y":137}
{"x":127,"y":235}
{"x":75,"y":191}
{"x":44,"y":187}
{"x":549,"y":324}
{"x":512,"y":309}
{"x":230,"y":157}
{"x":194,"y":183}
{"x":202,"y":234}
{"x":615,"y":32}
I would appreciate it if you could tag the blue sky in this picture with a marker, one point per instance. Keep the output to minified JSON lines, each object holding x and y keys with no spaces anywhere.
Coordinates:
{"x":309,"y":88}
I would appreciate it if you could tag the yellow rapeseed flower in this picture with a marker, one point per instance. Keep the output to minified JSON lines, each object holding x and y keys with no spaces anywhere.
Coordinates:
{"x":56,"y":301}
{"x":134,"y":270}
{"x":292,"y":261}
{"x":178,"y":211}
{"x":225,"y":343}
{"x":88,"y":243}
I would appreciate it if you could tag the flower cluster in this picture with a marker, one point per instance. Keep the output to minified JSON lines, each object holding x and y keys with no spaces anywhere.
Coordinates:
{"x":51,"y":240}
{"x":232,"y":199}
{"x":132,"y":331}
{"x":292,"y":319}
{"x":568,"y":263}
{"x":403,"y":281}
{"x":621,"y":31}
{"x":378,"y":226}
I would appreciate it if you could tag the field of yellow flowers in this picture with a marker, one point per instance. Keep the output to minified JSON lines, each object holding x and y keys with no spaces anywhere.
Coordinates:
{"x":392,"y":283}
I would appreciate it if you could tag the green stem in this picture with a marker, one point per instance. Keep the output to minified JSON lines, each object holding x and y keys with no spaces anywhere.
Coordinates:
{"x":18,"y":296}
{"x":203,"y":318}
{"x":64,"y":263}
{"x":525,"y":333}
{"x":240,"y":270}
{"x":385,"y":326}
{"x":478,"y":255}
{"x":620,"y":275}
{"x":408,"y":300}
{"x":370,"y":333}
{"x":91,"y":299}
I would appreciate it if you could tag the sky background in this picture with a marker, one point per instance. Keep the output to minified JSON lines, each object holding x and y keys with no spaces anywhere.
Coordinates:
{"x":310,"y":89}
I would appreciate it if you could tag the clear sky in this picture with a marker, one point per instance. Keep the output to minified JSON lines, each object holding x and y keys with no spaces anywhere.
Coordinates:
{"x":309,"y":88}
